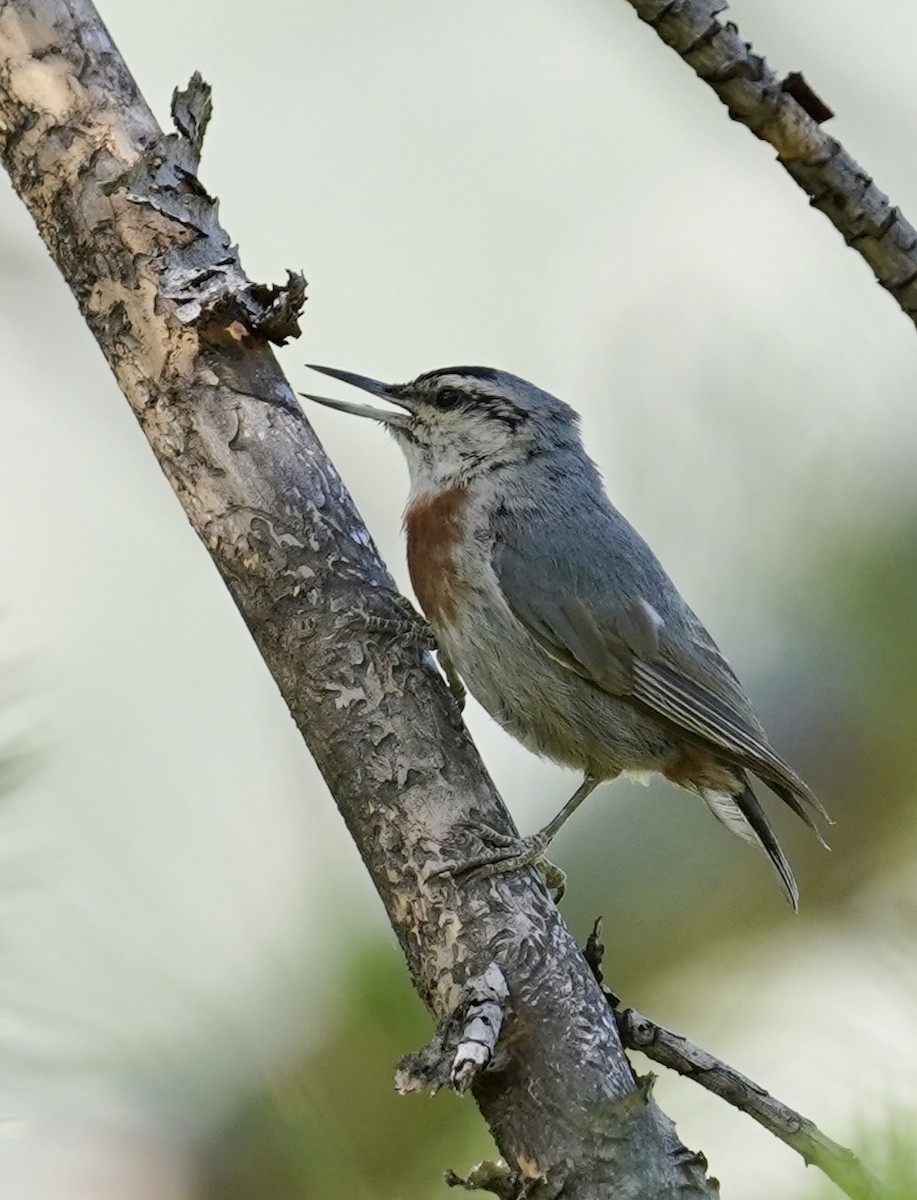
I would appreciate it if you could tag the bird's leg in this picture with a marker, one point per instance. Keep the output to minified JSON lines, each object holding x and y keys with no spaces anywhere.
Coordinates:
{"x":510,"y":853}
{"x":550,"y":831}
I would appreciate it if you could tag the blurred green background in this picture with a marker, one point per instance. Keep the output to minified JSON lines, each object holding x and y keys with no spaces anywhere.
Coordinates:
{"x":199,"y":996}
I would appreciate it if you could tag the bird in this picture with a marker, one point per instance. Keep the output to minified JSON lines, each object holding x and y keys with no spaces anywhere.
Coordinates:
{"x":552,"y":610}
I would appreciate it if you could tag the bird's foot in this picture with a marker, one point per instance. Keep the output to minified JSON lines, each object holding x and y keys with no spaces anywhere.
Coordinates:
{"x":410,"y":629}
{"x":506,"y":853}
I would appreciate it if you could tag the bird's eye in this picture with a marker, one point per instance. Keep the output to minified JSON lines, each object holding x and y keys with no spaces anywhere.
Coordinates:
{"x":449,"y":397}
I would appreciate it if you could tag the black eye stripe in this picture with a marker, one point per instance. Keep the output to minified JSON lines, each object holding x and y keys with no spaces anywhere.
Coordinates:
{"x":450,"y":397}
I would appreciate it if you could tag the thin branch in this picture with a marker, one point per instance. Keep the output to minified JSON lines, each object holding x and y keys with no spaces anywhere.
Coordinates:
{"x":838,"y":1163}
{"x":159,"y":282}
{"x":787,"y":114}
{"x":671,"y":1050}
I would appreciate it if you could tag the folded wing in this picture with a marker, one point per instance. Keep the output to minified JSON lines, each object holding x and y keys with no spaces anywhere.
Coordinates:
{"x":629,"y":633}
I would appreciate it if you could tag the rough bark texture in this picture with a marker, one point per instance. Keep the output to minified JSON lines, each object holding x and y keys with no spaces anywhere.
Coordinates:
{"x":137,"y":239}
{"x":787,"y":114}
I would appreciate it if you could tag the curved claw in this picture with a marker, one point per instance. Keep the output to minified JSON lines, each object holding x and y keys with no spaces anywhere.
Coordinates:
{"x":555,"y":878}
{"x":446,"y":871}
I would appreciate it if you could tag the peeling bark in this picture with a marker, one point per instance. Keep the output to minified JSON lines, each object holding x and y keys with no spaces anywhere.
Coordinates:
{"x":137,"y":238}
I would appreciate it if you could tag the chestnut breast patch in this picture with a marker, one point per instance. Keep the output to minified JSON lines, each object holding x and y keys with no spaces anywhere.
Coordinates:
{"x":435,"y":528}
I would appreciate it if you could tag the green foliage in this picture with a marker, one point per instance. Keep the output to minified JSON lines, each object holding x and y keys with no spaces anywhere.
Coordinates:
{"x":890,"y":1151}
{"x":334,"y":1127}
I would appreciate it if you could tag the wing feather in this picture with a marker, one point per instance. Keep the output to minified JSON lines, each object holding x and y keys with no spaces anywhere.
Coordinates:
{"x":696,"y":709}
{"x":603,"y":626}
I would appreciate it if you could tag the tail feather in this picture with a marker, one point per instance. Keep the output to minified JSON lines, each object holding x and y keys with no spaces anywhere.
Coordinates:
{"x":789,"y":798}
{"x":754,"y":815}
{"x":744,"y":816}
{"x":789,"y":787}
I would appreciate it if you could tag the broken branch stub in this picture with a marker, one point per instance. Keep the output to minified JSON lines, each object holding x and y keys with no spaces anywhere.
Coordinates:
{"x":465,"y":1041}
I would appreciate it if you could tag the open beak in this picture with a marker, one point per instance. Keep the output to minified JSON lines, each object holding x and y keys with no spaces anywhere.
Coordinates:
{"x":396,"y":420}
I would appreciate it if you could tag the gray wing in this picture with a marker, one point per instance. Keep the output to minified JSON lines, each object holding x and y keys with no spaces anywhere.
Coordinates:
{"x":600,"y":604}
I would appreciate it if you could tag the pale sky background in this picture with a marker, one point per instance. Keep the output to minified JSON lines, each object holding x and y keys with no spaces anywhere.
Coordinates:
{"x":532,"y":185}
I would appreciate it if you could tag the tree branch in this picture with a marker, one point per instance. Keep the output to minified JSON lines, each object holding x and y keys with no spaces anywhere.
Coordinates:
{"x":787,"y":114}
{"x":185,"y":332}
{"x":671,"y":1050}
{"x":661,"y":1045}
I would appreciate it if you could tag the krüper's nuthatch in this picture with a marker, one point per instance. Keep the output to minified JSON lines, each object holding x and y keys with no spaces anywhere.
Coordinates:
{"x":557,"y":615}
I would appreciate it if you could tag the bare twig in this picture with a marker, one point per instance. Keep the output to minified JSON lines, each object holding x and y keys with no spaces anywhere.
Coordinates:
{"x":787,"y":114}
{"x":670,"y":1050}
